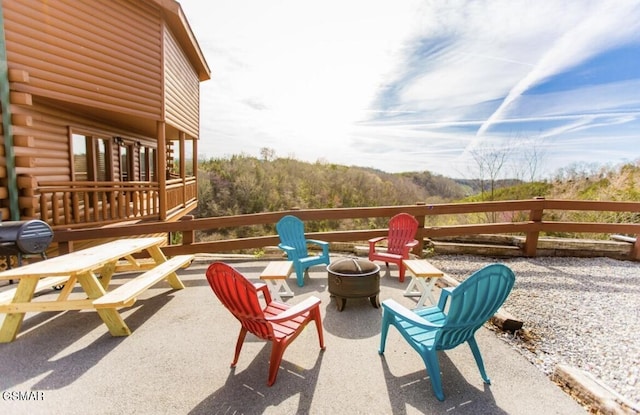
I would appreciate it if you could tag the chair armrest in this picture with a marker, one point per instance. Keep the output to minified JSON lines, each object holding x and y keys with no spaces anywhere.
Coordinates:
{"x":291,"y":252}
{"x":445,"y":293}
{"x":286,"y":248}
{"x":322,"y":244}
{"x":373,"y":242}
{"x":407,"y":248}
{"x":317,"y":242}
{"x":412,"y":243}
{"x":298,"y":309}
{"x":403,"y":313}
{"x":261,"y":286}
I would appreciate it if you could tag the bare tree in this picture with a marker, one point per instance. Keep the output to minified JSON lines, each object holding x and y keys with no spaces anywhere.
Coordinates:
{"x":532,"y":154}
{"x":267,"y":154}
{"x":490,"y":161}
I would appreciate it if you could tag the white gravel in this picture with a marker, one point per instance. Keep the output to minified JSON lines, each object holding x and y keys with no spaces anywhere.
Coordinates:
{"x":582,"y":312}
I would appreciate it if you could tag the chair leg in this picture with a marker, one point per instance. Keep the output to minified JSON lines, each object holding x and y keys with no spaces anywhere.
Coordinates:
{"x":277,"y":350}
{"x":318,"y":320}
{"x":401,"y":271}
{"x":384,"y":330}
{"x":300,"y":276}
{"x":430,"y":359}
{"x":239,"y":343}
{"x":476,"y":354}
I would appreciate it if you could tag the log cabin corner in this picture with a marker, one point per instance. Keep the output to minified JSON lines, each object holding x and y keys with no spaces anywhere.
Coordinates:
{"x":100,"y":105}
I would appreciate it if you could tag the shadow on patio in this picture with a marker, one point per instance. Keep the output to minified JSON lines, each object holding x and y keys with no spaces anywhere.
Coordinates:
{"x":177,"y":361}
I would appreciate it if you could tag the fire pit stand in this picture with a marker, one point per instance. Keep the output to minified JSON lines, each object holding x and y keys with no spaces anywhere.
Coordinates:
{"x":354,"y":278}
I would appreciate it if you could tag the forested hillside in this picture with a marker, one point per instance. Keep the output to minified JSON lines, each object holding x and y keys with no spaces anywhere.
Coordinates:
{"x":243,"y":184}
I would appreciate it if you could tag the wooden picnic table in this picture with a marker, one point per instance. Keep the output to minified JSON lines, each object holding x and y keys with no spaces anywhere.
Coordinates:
{"x":83,"y":267}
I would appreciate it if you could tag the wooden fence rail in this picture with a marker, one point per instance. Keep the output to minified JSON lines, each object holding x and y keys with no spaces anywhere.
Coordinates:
{"x":536,"y":210}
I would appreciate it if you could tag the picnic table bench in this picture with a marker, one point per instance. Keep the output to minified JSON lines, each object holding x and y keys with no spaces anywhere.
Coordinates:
{"x":81,"y":268}
{"x":126,"y":294}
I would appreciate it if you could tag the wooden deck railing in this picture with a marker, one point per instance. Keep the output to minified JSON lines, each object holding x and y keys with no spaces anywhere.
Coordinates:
{"x":538,"y":217}
{"x":86,"y":203}
{"x":181,"y":192}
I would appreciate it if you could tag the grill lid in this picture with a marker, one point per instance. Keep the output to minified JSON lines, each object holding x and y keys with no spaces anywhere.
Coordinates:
{"x":30,"y":237}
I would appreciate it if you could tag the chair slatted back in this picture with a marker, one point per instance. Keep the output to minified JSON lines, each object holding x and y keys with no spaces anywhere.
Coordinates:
{"x":240,"y":297}
{"x":402,"y":230}
{"x":473,"y":302}
{"x":291,"y":232}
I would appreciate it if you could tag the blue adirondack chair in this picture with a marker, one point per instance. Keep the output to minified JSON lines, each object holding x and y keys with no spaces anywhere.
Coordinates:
{"x":294,"y":244}
{"x":431,"y":329}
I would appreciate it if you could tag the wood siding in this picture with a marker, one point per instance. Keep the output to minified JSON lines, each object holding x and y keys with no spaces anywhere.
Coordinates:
{"x":182,"y":88}
{"x":42,"y":147}
{"x":100,"y":54}
{"x":113,"y":69}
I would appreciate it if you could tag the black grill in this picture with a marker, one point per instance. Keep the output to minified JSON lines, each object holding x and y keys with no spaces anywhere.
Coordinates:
{"x":31,"y":237}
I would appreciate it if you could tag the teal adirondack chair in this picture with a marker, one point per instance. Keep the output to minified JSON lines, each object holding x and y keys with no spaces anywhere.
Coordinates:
{"x":294,"y":244}
{"x":431,"y":329}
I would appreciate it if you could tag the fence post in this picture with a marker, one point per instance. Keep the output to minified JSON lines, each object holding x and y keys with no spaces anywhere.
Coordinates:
{"x":531,"y":243}
{"x":64,"y":247}
{"x":417,"y":250}
{"x":635,"y":250}
{"x":187,"y":236}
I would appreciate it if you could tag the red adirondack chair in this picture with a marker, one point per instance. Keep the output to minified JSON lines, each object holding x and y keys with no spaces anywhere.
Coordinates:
{"x":400,"y":241}
{"x":277,"y":322}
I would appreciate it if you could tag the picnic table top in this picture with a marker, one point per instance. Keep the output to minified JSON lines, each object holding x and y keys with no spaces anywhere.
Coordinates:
{"x":84,"y":260}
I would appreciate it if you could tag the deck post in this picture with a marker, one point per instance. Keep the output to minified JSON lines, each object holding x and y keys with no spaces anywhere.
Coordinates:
{"x":531,"y":242}
{"x":635,"y":250}
{"x":417,"y":250}
{"x":187,"y":235}
{"x":162,"y":169}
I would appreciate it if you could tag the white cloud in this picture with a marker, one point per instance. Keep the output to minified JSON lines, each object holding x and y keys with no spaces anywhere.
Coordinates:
{"x":304,"y":78}
{"x":604,"y":25}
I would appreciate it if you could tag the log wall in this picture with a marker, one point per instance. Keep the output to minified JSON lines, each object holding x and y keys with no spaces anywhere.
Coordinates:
{"x":94,"y":67}
{"x":104,"y":55}
{"x":182,"y":91}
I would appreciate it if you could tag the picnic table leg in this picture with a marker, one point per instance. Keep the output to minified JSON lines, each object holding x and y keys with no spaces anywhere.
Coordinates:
{"x":159,"y":257}
{"x":68,"y":287}
{"x":110,"y":316}
{"x":12,"y":321}
{"x":106,"y":273}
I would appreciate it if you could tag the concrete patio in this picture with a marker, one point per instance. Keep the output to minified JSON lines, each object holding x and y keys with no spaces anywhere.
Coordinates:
{"x":177,"y":362}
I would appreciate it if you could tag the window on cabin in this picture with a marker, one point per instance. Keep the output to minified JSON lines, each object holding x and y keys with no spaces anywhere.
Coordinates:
{"x":126,"y":161}
{"x":188,"y":158}
{"x":174,"y":162}
{"x":173,"y":159}
{"x":153,"y":162}
{"x":90,"y":158}
{"x":147,"y":163}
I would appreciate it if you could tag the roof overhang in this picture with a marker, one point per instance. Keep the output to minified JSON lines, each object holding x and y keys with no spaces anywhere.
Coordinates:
{"x":177,"y":21}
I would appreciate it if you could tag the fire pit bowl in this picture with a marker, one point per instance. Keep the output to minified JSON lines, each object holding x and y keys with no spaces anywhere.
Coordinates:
{"x":354,"y":278}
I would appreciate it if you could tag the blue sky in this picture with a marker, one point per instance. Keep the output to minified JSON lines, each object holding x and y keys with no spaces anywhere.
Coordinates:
{"x":422,"y":85}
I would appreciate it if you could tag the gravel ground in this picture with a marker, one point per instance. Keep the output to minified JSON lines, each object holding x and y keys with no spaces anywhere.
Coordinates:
{"x":582,"y":312}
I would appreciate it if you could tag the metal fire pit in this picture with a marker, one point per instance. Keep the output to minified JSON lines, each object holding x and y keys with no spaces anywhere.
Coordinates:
{"x":354,"y":278}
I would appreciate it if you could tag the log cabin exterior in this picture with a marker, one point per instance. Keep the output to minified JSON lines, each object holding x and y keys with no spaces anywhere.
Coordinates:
{"x":100,"y":111}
